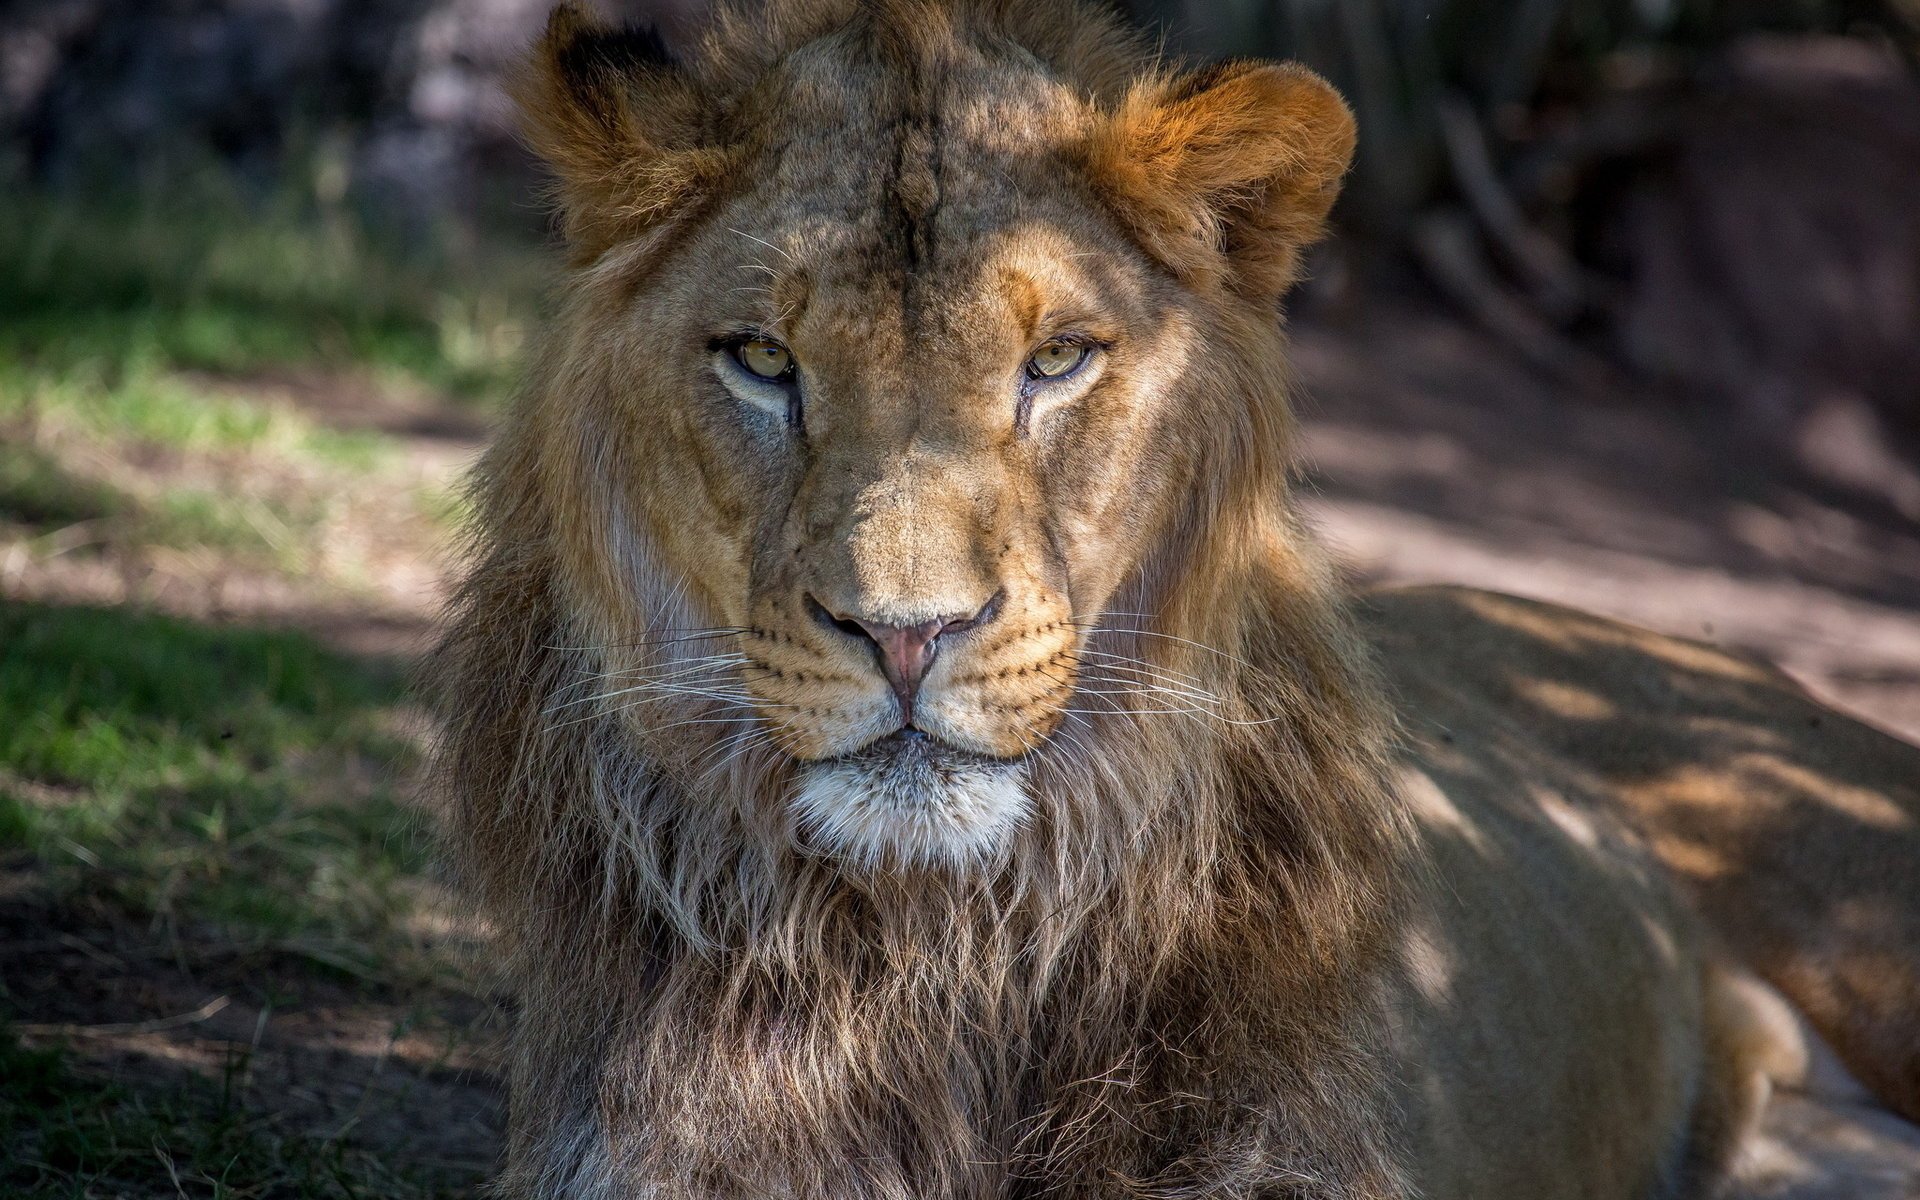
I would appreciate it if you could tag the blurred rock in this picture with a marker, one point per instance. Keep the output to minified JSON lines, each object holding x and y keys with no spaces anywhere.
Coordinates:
{"x":1845,"y":442}
{"x":121,"y":80}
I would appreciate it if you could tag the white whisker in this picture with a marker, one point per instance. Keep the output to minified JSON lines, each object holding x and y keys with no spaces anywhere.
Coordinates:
{"x":663,"y":689}
{"x":689,"y":634}
{"x":1096,"y":627}
{"x":1141,"y":663}
{"x":762,"y":241}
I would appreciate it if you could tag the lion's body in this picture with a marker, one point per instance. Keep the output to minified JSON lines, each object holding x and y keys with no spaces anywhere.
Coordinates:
{"x":1122,"y":883}
{"x":1534,"y":925}
{"x":1793,"y":830}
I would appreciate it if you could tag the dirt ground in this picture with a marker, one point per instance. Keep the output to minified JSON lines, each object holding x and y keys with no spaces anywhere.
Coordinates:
{"x":1435,"y":457}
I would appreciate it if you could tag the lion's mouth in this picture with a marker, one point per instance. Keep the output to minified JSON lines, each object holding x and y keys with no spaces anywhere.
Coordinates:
{"x":910,"y":745}
{"x":910,"y":799}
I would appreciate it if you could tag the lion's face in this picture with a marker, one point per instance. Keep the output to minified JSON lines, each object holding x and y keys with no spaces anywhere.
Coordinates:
{"x":898,"y":409}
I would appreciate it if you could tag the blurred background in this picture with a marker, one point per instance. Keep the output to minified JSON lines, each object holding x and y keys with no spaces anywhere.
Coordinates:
{"x":1624,"y":311}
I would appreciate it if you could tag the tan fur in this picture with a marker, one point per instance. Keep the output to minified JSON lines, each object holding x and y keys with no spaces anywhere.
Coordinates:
{"x":1219,"y":937}
{"x":1795,"y":830}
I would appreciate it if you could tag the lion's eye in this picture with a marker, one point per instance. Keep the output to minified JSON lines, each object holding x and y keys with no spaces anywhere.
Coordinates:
{"x":1056,"y":360}
{"x":764,"y":357}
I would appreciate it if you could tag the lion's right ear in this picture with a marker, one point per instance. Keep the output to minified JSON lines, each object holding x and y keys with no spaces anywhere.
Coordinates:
{"x":1227,"y":172}
{"x":619,"y":123}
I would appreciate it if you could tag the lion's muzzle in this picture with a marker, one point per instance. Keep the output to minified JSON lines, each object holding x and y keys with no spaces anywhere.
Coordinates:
{"x":903,"y":652}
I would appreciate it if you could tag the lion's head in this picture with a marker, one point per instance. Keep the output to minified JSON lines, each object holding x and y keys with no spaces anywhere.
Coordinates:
{"x":888,"y":646}
{"x":907,"y":347}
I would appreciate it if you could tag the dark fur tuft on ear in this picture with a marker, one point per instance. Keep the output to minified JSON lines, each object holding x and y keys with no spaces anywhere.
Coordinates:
{"x":590,"y":59}
{"x":620,"y":124}
{"x":1228,"y":173}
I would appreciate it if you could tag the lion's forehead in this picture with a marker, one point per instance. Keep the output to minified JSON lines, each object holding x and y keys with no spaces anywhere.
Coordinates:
{"x":978,"y":267}
{"x":863,"y":171}
{"x":833,"y":88}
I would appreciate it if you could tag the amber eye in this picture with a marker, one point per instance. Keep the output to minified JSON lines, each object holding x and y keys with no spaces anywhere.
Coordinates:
{"x":1056,"y":359}
{"x":764,"y":357}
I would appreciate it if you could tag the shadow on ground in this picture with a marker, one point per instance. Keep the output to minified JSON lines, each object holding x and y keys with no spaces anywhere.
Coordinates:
{"x":220,"y":946}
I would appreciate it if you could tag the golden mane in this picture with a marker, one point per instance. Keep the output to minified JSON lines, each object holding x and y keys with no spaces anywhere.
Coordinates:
{"x":677,"y":920}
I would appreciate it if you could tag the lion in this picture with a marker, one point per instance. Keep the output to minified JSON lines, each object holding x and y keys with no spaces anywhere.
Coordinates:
{"x":907,"y":744}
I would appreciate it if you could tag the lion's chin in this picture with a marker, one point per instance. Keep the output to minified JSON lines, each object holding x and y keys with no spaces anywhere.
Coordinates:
{"x":910,"y":802}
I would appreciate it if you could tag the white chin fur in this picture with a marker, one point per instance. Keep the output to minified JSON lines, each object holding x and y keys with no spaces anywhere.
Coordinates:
{"x":913,"y":809}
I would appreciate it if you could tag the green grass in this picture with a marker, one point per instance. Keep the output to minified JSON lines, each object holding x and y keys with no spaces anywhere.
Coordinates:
{"x":130,"y":399}
{"x":190,"y":772}
{"x":198,"y":787}
{"x":64,"y":1136}
{"x":144,"y":340}
{"x":35,"y":490}
{"x":232,"y":777}
{"x":40,"y":495}
{"x":234,"y":785}
{"x":102,"y":303}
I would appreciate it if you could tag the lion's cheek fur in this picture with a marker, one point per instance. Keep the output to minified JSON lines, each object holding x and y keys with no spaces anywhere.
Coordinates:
{"x":616,"y":525}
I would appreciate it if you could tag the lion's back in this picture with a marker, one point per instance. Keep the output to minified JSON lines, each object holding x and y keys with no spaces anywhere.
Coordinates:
{"x":1793,"y":830}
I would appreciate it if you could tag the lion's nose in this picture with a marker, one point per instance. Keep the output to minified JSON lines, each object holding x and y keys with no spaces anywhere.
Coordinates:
{"x":905,"y":652}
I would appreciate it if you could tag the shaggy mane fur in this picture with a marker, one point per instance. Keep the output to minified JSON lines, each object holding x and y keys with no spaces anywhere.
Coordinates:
{"x":709,"y":1003}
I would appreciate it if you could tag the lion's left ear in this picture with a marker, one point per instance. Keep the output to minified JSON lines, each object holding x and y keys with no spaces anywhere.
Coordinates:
{"x":1226,"y":173}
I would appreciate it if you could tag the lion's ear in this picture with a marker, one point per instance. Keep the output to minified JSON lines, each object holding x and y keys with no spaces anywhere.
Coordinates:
{"x":619,"y":123}
{"x":1228,"y":171}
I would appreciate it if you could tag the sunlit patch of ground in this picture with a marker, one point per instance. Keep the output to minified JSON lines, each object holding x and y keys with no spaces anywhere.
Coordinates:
{"x":1437,"y":458}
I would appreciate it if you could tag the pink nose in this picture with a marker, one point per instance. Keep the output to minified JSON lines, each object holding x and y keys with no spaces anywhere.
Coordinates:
{"x":906,"y":652}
